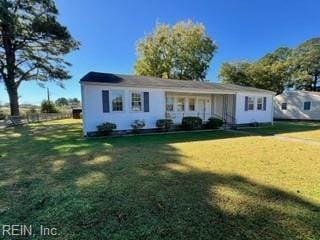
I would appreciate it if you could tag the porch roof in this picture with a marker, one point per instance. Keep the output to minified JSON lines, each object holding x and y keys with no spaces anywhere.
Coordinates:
{"x":121,"y":80}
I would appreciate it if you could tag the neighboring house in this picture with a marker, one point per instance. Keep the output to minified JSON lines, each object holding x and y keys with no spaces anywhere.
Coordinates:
{"x":121,"y":99}
{"x":299,"y":105}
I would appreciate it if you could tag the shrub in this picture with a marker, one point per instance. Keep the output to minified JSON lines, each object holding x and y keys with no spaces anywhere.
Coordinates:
{"x":190,"y":123}
{"x":106,"y":128}
{"x":137,"y":125}
{"x":214,"y":123}
{"x":254,"y":124}
{"x":32,"y":110}
{"x":164,"y":124}
{"x":48,"y":107}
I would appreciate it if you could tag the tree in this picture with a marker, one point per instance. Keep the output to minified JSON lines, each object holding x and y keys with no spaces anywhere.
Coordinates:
{"x":74,"y":102}
{"x":32,"y":44}
{"x":271,"y":72}
{"x":62,"y":101}
{"x":297,"y":67}
{"x":306,"y":62}
{"x":182,"y":51}
{"x":236,"y":72}
{"x":48,"y":107}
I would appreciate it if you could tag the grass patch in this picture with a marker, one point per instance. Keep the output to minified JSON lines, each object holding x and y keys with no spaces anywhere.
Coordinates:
{"x":296,"y":129}
{"x":199,"y":185}
{"x":284,"y":127}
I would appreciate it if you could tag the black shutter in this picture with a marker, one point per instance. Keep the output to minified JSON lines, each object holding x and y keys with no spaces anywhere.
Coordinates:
{"x":146,"y":101}
{"x":264,"y":103}
{"x":105,"y":101}
{"x":246,"y":101}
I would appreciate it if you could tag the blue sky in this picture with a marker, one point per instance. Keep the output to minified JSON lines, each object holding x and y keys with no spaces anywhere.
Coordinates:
{"x":108,"y":32}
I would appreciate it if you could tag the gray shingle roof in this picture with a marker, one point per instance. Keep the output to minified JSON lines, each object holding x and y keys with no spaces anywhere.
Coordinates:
{"x":121,"y":80}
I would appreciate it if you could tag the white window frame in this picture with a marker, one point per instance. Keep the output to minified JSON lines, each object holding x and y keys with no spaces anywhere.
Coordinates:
{"x":173,"y":102}
{"x":123,"y":101}
{"x":184,"y":104}
{"x":194,"y":104}
{"x":259,"y":98}
{"x":253,"y":101}
{"x":131,"y":101}
{"x":310,"y":106}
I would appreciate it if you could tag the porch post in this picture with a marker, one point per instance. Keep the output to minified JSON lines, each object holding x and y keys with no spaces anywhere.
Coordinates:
{"x":272,"y":109}
{"x":165,"y":105}
{"x":224,"y":107}
{"x":212,"y":105}
{"x":234,"y":102}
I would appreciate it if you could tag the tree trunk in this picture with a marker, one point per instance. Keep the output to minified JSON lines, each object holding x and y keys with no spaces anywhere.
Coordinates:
{"x":315,"y":82}
{"x":14,"y":101}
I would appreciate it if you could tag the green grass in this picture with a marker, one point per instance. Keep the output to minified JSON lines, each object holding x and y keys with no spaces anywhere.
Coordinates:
{"x":297,"y":129}
{"x":285,"y":127}
{"x":200,"y":185}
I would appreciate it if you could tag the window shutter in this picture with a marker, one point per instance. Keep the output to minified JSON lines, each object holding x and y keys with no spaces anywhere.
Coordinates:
{"x":146,"y":101}
{"x":264,"y":103}
{"x":246,"y":101}
{"x":105,"y":101}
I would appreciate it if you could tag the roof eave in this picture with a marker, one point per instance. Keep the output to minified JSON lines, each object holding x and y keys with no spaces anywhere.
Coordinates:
{"x":259,"y":91}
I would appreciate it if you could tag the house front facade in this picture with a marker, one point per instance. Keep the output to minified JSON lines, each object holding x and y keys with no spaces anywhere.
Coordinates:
{"x":122,"y":99}
{"x":297,"y":105}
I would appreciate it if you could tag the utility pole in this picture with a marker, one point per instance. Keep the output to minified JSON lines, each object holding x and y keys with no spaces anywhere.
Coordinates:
{"x":48,"y":94}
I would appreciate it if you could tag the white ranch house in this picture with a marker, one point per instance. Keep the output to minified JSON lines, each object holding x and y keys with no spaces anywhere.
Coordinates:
{"x":121,"y":99}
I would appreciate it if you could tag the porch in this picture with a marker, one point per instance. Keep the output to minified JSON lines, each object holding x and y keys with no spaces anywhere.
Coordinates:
{"x":203,"y":105}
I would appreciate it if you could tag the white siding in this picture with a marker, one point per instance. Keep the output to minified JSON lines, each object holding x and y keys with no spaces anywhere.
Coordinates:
{"x":295,"y":105}
{"x":251,"y":116}
{"x":93,"y":114}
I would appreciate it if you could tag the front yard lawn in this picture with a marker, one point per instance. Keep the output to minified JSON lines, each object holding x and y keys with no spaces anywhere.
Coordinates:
{"x":199,"y":185}
{"x":297,"y":129}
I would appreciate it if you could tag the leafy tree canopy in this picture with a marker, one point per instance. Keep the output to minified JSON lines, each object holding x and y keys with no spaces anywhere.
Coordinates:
{"x":32,"y":45}
{"x":48,"y":107}
{"x":297,"y":67}
{"x":306,"y":62}
{"x":62,"y":101}
{"x":181,"y":51}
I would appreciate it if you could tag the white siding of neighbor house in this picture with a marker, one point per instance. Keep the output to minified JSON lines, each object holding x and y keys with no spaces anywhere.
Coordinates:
{"x":295,"y":105}
{"x":251,"y":116}
{"x":93,"y":114}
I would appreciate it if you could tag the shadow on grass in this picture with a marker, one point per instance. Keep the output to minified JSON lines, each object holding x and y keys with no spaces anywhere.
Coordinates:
{"x":137,"y":188}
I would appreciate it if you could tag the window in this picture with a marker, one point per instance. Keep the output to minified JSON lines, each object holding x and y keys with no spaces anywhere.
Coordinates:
{"x":259,"y":103}
{"x":136,"y":102}
{"x":307,"y":106}
{"x":192,"y":104}
{"x":284,"y":106}
{"x":169,"y":106}
{"x":117,"y":101}
{"x":180,"y":105}
{"x":250,"y":103}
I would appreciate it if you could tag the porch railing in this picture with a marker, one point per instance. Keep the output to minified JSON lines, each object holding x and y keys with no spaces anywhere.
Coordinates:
{"x":179,"y":115}
{"x":228,"y":119}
